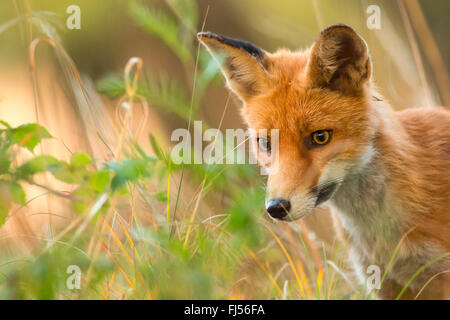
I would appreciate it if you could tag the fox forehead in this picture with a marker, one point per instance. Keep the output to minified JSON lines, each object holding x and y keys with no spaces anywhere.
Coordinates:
{"x":288,"y":104}
{"x":285,"y":66}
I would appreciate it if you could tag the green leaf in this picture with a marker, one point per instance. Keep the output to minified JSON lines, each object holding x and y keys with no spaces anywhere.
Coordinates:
{"x":87,"y":198}
{"x":69,"y":174}
{"x":85,"y":193}
{"x":80,"y":159}
{"x":10,"y":192}
{"x":99,"y":180}
{"x":128,"y":170}
{"x":161,"y":196}
{"x":5,"y":161}
{"x":6,"y":124}
{"x":4,"y":209}
{"x":28,"y":135}
{"x":41,"y":163}
{"x":17,"y":193}
{"x":73,"y":173}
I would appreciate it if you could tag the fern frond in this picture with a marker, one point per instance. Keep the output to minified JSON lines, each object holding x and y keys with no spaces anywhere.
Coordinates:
{"x":186,"y":11}
{"x":161,"y":25}
{"x":166,"y":93}
{"x":112,"y":85}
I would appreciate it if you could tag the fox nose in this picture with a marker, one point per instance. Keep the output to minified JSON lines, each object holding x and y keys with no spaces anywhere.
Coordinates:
{"x":278,"y":208}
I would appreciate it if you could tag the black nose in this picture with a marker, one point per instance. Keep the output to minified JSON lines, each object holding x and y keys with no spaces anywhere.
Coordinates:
{"x":278,"y":208}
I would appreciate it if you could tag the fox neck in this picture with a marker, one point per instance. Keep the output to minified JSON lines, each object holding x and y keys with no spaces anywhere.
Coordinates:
{"x":366,"y":205}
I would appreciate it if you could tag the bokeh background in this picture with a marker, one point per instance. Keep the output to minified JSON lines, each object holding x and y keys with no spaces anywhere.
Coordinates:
{"x":410,"y":55}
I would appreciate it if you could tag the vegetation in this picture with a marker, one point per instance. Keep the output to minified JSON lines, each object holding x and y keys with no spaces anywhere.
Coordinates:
{"x":146,"y":228}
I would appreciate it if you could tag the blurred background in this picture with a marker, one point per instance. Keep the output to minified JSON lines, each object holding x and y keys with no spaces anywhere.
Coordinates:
{"x":109,"y":37}
{"x":72,"y":83}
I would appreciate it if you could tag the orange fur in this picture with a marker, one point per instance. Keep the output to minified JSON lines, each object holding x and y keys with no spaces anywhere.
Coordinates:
{"x":391,"y":168}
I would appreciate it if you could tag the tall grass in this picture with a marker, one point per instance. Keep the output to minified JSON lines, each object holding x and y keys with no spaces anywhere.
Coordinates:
{"x":147,"y":228}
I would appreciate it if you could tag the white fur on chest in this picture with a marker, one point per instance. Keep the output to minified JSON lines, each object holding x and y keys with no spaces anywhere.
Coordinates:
{"x":369,"y":214}
{"x":375,"y":222}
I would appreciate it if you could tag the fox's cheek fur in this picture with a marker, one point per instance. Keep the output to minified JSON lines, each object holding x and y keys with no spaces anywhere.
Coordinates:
{"x":303,"y":186}
{"x":338,"y":170}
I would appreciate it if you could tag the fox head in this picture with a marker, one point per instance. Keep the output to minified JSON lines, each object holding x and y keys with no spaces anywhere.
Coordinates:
{"x":319,"y":101}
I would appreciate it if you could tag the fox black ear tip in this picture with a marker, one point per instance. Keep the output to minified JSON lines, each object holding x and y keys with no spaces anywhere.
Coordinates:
{"x":206,"y":34}
{"x":201,"y":35}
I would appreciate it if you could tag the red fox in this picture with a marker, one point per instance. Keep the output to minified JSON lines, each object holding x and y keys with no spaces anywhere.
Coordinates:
{"x":386,"y":174}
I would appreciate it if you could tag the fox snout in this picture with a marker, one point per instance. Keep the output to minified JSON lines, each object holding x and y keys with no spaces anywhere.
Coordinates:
{"x":299,"y":184}
{"x":278,"y":208}
{"x":297,"y":205}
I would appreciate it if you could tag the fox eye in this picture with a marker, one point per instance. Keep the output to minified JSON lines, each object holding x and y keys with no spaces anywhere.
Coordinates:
{"x":263,"y":145}
{"x":321,"y":137}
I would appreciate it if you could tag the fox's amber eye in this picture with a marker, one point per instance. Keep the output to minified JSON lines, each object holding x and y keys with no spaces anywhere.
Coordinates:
{"x":263,"y":145}
{"x":321,"y":137}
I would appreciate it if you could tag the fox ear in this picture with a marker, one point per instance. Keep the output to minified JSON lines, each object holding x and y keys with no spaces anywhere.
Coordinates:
{"x":242,"y":63}
{"x":339,"y":60}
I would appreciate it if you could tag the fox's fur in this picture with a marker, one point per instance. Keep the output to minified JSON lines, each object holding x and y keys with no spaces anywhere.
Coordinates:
{"x":390,"y":170}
